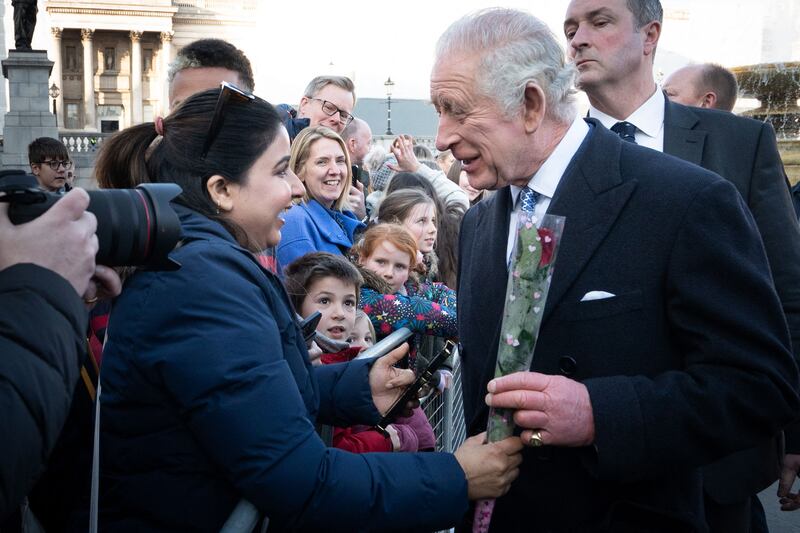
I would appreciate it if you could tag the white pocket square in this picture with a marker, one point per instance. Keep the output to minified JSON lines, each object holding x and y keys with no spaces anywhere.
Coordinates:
{"x":596,"y":295}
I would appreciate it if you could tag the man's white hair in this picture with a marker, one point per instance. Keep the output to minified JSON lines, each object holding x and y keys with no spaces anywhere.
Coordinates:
{"x":515,"y":48}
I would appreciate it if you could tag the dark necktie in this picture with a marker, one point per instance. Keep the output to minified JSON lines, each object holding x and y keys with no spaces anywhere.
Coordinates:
{"x":527,"y":199}
{"x":626,"y":130}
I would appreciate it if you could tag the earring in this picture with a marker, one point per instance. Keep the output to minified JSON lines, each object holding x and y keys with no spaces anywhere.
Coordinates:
{"x":218,"y":209}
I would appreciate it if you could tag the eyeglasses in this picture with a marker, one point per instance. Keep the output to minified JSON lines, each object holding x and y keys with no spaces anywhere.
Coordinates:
{"x":227,"y":91}
{"x":331,"y":109}
{"x":55,"y":164}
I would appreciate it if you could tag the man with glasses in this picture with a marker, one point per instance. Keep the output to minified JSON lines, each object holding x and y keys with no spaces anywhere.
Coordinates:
{"x":49,"y":162}
{"x":327,"y":101}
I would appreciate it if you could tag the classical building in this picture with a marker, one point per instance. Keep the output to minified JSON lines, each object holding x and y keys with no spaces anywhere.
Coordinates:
{"x":111,"y":57}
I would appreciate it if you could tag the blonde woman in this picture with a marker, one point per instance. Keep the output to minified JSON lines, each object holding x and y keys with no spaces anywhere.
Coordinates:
{"x":323,"y":221}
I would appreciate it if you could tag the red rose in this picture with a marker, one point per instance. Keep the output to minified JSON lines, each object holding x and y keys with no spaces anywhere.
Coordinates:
{"x":548,"y":243}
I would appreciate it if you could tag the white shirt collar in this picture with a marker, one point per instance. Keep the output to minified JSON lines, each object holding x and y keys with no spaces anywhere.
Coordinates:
{"x":546,"y":179}
{"x":648,"y":118}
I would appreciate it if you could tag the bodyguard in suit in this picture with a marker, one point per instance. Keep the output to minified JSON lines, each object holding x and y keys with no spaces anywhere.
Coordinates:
{"x":684,"y":358}
{"x":612,"y":44}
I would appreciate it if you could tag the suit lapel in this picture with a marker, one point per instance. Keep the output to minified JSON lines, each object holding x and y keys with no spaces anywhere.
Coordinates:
{"x":680,"y":137}
{"x":590,"y":196}
{"x":491,"y":245}
{"x":490,"y":272}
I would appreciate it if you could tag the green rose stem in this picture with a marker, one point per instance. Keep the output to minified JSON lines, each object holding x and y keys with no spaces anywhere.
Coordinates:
{"x":529,"y":277}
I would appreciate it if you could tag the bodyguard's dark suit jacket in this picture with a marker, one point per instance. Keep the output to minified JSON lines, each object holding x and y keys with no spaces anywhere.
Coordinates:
{"x":744,"y":152}
{"x":688,"y":361}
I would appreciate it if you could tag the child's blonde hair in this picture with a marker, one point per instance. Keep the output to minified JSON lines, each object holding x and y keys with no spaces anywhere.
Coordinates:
{"x":361,"y":314}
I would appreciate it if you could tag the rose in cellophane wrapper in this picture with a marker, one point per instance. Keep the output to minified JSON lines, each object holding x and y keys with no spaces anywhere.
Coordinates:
{"x":529,"y":277}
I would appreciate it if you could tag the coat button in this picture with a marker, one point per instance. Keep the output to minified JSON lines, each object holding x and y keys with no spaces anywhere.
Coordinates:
{"x":567,"y":365}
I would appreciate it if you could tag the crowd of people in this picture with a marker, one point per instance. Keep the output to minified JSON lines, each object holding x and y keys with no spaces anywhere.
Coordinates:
{"x":664,"y":388}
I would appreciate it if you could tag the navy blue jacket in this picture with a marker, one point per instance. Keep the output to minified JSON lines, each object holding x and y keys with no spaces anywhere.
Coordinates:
{"x":290,"y":121}
{"x":689,"y":361}
{"x":209,"y":397}
{"x":744,"y":151}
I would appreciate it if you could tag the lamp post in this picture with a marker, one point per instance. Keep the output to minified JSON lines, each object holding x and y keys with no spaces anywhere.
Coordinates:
{"x":388,"y":84}
{"x":54,"y":92}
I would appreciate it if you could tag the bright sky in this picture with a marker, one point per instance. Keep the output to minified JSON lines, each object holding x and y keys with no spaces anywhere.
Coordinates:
{"x":367,"y":40}
{"x":372,"y":40}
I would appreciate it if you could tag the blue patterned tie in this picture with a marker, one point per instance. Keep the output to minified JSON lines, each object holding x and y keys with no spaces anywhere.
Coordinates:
{"x":528,"y":198}
{"x":626,"y":130}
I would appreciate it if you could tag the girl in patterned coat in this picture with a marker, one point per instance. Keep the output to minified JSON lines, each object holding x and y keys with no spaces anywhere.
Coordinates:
{"x":392,"y":301}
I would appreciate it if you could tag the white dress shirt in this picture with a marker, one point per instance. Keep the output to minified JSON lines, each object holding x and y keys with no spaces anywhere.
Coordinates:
{"x":648,"y":119}
{"x":547,"y":178}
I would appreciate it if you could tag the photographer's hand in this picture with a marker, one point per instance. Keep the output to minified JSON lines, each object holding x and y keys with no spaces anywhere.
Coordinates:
{"x":104,"y":284}
{"x":62,"y":240}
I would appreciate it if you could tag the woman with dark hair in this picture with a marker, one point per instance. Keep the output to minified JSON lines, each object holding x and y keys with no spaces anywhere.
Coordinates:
{"x":208,"y":394}
{"x":323,"y":221}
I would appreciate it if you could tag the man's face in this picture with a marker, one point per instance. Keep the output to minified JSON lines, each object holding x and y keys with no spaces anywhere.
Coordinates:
{"x":359,"y":145}
{"x":491,"y":146}
{"x":682,"y":86}
{"x":49,"y":178}
{"x":312,"y":108}
{"x":194,"y":80}
{"x":603,"y":42}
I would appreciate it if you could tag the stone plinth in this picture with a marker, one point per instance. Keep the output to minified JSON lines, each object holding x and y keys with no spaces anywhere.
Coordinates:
{"x":30,"y":116}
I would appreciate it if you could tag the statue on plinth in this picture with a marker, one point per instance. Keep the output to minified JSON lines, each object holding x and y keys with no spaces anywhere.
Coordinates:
{"x":24,"y":22}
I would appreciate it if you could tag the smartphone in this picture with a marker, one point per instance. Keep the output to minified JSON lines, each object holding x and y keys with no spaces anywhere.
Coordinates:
{"x":423,"y":378}
{"x":309,"y":325}
{"x":386,"y":345}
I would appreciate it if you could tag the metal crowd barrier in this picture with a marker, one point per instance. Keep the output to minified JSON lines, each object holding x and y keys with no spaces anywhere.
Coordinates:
{"x":446,"y":413}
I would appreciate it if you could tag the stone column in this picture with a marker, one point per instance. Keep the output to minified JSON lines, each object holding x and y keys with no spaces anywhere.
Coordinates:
{"x":166,"y":57}
{"x":136,"y":77}
{"x":89,"y":108}
{"x":56,"y":77}
{"x":30,"y":115}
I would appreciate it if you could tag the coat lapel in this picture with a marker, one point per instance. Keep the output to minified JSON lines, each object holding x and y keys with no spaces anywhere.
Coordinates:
{"x":488,"y":270}
{"x":590,"y":196}
{"x":493,"y":224}
{"x":680,"y":138}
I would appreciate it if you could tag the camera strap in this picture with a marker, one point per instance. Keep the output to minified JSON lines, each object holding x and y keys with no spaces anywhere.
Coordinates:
{"x":93,"y":508}
{"x":94,"y":494}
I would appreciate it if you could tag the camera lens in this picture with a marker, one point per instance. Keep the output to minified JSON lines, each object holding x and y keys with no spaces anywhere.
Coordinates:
{"x":135,"y":227}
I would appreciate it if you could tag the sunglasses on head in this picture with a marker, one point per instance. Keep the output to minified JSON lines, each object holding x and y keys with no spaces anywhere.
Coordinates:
{"x":227,"y":91}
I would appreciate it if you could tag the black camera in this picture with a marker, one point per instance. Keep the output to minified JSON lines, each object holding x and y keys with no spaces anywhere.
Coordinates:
{"x":135,"y":227}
